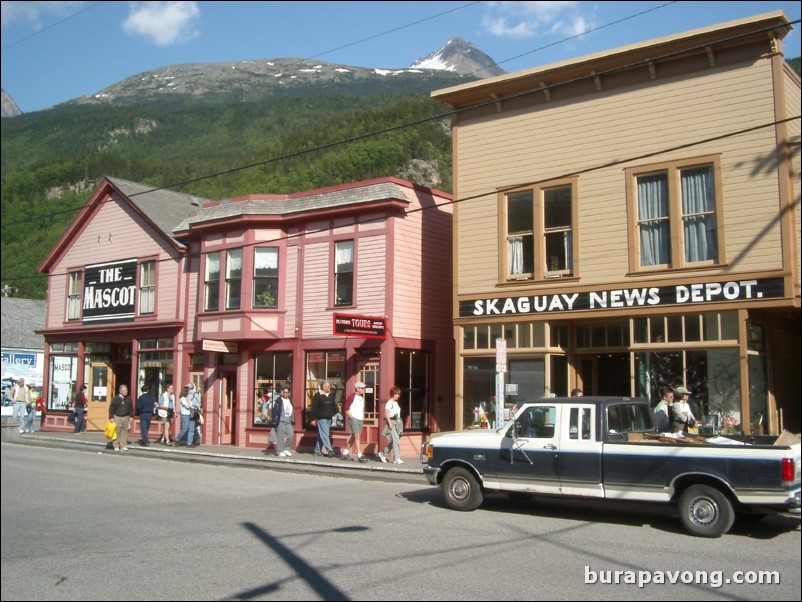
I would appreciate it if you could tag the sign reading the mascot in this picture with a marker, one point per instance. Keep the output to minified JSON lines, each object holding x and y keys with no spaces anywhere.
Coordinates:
{"x":110,"y":292}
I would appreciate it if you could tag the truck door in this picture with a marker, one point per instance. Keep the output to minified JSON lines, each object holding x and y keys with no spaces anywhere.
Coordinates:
{"x":579,"y":461}
{"x":529,"y":457}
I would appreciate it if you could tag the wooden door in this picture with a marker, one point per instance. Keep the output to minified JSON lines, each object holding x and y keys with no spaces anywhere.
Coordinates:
{"x":100,"y":393}
{"x":228,"y":404}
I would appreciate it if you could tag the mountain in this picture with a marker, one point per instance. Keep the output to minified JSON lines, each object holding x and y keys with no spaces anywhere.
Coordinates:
{"x":459,"y":56}
{"x":218,"y":131}
{"x":259,"y":80}
{"x":9,"y":107}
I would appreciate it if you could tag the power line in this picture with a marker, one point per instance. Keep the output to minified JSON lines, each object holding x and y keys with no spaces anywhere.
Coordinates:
{"x":389,"y":31}
{"x":52,"y":25}
{"x":439,"y":116}
{"x":338,"y":142}
{"x":483,"y":194}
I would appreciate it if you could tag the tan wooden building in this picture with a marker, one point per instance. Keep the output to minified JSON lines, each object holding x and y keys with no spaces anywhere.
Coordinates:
{"x":629,"y":220}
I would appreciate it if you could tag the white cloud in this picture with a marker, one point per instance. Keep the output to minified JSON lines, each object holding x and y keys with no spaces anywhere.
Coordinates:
{"x":13,"y":11}
{"x":529,"y":19}
{"x":164,"y":23}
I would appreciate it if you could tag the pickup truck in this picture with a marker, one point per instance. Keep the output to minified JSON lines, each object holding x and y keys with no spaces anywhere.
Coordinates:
{"x":607,"y":448}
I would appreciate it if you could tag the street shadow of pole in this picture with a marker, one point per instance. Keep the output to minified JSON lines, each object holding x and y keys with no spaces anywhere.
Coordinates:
{"x":325,"y":589}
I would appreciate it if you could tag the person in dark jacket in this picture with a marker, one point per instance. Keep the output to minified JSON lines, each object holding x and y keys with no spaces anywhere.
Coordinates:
{"x":145,"y":407}
{"x":120,"y":412}
{"x":323,"y":410}
{"x":80,"y":410}
{"x":283,"y":418}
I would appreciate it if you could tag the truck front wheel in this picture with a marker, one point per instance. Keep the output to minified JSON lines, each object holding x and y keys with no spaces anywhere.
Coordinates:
{"x":461,"y":490}
{"x":705,"y":511}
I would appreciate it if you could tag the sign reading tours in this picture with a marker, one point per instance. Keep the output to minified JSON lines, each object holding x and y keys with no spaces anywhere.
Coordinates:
{"x":628,"y":298}
{"x":110,"y":291}
{"x":363,"y":326}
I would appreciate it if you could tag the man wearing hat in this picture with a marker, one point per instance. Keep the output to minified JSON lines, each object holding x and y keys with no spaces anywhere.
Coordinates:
{"x":354,"y":416}
{"x":80,"y":410}
{"x":683,"y":416}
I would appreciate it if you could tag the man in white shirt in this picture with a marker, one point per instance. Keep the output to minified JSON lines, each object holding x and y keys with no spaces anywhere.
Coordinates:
{"x":354,"y":417}
{"x":20,"y":395}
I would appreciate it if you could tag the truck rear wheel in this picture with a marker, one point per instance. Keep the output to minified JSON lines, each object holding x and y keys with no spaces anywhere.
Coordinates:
{"x":461,"y":490}
{"x":705,"y":511}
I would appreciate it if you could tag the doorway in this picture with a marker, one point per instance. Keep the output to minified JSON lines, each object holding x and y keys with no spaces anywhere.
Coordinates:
{"x":369,"y":374}
{"x":228,"y":404}
{"x":101,"y":391}
{"x":605,"y":374}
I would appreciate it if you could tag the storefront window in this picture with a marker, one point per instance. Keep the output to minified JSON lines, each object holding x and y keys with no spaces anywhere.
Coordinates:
{"x":412,"y":376}
{"x":156,"y":371}
{"x":712,"y":376}
{"x":320,"y":366}
{"x":525,"y":381}
{"x":273,"y":371}
{"x":63,"y":379}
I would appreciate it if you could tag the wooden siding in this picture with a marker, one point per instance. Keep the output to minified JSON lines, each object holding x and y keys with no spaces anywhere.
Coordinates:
{"x":193,"y":296}
{"x":290,"y":280}
{"x":422,"y":272}
{"x":115,"y":233}
{"x":793,"y":106}
{"x":316,"y":294}
{"x":628,"y":127}
{"x":371,"y":278}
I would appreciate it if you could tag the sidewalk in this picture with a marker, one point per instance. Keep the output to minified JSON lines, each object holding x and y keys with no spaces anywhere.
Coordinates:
{"x":301,"y":461}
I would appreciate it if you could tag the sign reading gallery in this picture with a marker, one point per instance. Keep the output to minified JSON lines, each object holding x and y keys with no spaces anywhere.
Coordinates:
{"x":110,"y":291}
{"x":682,"y":294}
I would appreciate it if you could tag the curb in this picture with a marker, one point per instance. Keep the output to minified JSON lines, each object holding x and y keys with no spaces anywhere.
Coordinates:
{"x":338,"y":467}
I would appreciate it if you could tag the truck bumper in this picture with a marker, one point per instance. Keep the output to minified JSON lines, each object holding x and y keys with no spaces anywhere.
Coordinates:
{"x":431,"y":472}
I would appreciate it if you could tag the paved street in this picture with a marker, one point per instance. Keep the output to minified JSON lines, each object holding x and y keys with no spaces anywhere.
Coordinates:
{"x":99,"y":526}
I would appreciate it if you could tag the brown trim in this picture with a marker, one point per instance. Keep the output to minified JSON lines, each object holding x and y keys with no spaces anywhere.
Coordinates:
{"x":673,"y":172}
{"x":540,"y":273}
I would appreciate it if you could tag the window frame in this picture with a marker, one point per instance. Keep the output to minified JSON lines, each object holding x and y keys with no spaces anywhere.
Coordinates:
{"x":339,"y":275}
{"x":266,"y":287}
{"x":211,"y":302}
{"x":75,"y":285}
{"x":539,"y":233}
{"x":673,"y":171}
{"x":233,"y":279}
{"x":147,"y":286}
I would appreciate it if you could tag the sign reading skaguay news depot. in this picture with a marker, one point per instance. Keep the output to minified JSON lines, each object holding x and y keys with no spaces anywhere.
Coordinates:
{"x":681,"y":294}
{"x":362,"y":326}
{"x":110,"y":292}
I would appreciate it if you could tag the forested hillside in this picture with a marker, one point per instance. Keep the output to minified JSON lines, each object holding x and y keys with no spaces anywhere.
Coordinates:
{"x":51,"y":160}
{"x":215,"y":146}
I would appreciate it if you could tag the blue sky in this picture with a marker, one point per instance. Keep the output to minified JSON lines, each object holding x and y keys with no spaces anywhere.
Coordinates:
{"x":56,"y":51}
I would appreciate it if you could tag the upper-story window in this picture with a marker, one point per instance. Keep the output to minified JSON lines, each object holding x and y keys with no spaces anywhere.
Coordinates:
{"x":265,"y":277}
{"x":75,"y":285}
{"x":212,"y":282}
{"x":233,"y":278}
{"x":344,"y":272}
{"x":540,"y":241}
{"x":675,"y":209}
{"x":147,"y":287}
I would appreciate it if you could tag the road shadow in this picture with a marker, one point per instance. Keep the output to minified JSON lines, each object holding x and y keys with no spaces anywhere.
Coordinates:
{"x":662,"y":517}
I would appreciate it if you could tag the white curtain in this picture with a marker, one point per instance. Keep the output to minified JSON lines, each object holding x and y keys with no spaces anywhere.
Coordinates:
{"x":699,"y":214}
{"x":234,"y":263}
{"x":212,"y":266}
{"x":515,"y":254}
{"x":653,"y":218}
{"x":344,"y":255}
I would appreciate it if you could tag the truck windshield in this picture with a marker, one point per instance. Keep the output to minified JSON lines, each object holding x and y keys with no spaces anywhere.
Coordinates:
{"x":624,"y":418}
